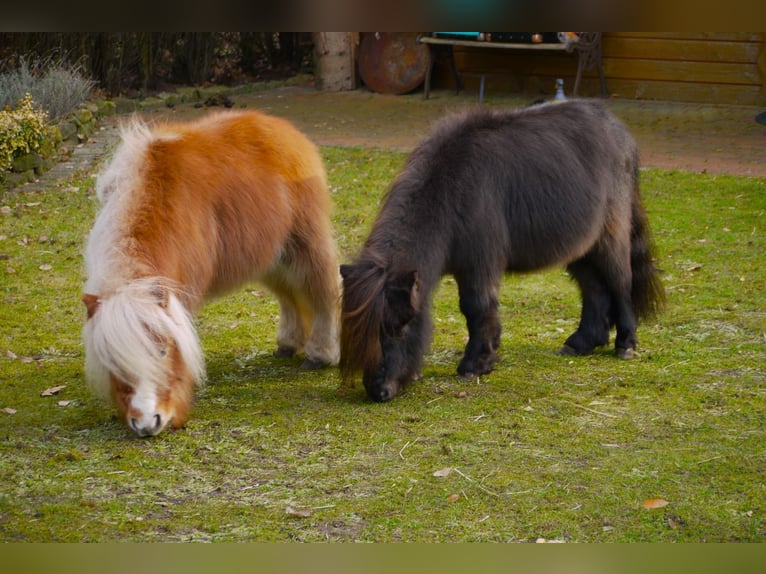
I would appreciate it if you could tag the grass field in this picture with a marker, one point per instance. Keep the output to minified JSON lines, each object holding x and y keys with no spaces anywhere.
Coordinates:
{"x":546,"y":447}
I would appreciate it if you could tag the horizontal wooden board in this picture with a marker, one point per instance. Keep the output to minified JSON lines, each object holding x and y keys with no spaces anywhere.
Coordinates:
{"x":685,"y":50}
{"x":684,"y":92}
{"x":667,"y":70}
{"x":709,"y":36}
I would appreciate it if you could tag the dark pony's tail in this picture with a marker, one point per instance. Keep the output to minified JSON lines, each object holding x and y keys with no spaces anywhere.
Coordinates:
{"x":647,"y":292}
{"x":361,"y":318}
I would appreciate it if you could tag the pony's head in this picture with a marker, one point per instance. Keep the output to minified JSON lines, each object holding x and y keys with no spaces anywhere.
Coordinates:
{"x":383,"y":330}
{"x":142,"y":352}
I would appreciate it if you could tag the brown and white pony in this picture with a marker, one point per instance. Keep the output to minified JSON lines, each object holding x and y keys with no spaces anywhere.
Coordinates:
{"x":192,"y":211}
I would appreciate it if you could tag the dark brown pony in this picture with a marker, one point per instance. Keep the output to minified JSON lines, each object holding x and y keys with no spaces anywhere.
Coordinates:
{"x":489,"y":192}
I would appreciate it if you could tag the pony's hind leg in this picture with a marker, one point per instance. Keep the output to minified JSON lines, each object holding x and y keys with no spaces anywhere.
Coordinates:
{"x":595,"y":318}
{"x":480,"y":308}
{"x":604,"y":279}
{"x":315,"y":278}
{"x":291,"y":334}
{"x":322,"y":345}
{"x":617,"y":271}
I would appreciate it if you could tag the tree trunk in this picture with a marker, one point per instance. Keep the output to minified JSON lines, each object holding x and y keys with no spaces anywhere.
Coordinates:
{"x":335,"y":60}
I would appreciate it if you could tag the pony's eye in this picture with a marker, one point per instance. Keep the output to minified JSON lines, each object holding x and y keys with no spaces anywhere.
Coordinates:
{"x":164,"y":352}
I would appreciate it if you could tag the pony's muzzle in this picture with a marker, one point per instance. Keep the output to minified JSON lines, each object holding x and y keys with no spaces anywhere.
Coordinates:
{"x":379,"y":388}
{"x":150,"y":426}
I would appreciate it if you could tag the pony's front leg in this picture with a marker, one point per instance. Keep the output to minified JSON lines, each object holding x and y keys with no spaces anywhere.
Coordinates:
{"x":480,"y":309}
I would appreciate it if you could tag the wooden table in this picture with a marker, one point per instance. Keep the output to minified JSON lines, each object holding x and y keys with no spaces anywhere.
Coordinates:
{"x":587,"y":47}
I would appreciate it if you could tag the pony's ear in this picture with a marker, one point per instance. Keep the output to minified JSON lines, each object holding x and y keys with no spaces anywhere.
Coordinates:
{"x":402,"y":300}
{"x":92,"y":303}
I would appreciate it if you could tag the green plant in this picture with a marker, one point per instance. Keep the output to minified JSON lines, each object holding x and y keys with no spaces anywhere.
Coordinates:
{"x":57,"y":86}
{"x":22,"y":130}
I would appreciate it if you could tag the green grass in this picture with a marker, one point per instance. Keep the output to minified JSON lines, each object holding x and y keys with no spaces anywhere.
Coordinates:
{"x":545,"y":447}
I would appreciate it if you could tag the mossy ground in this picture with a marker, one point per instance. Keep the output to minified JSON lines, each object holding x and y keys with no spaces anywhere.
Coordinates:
{"x":545,"y":447}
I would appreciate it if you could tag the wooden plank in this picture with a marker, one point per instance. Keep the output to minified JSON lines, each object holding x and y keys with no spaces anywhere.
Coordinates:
{"x":762,"y":67}
{"x":704,"y":72}
{"x":708,"y":36}
{"x":682,"y":91}
{"x":687,"y":50}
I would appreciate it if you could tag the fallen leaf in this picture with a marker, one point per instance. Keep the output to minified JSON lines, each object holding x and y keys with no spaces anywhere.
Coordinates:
{"x":453,"y":497}
{"x":652,"y":503}
{"x":298,"y":512}
{"x":46,"y":267}
{"x":461,"y":394}
{"x":26,"y":359}
{"x":64,"y":403}
{"x":52,"y":391}
{"x":9,"y":411}
{"x":443,"y":472}
{"x":11,"y":355}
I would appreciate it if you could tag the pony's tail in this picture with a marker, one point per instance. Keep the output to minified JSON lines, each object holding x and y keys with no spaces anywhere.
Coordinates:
{"x":647,"y":292}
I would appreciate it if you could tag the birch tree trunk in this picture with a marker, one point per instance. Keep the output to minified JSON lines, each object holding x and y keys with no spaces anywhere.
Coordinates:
{"x":335,"y":60}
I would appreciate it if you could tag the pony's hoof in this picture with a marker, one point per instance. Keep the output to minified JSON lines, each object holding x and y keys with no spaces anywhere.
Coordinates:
{"x":567,"y":351}
{"x":626,"y":353}
{"x":313,"y":364}
{"x":284,"y":352}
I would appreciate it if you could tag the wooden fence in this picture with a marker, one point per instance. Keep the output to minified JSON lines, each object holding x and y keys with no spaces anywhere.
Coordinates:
{"x":710,"y":67}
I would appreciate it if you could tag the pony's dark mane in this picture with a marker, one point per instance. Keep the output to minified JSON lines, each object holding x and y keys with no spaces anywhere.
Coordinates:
{"x":362,"y":316}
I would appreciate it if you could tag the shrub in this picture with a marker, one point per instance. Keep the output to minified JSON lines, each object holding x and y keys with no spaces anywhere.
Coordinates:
{"x":21,"y":130}
{"x":55,"y":85}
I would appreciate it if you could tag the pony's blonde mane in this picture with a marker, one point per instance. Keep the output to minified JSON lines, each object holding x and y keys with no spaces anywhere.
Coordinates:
{"x":125,"y":164}
{"x":121,"y":336}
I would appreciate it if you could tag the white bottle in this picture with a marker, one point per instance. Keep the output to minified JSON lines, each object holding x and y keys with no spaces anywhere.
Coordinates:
{"x":559,"y":90}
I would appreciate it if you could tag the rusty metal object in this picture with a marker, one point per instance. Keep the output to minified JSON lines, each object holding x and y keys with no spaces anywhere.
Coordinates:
{"x":392,"y":62}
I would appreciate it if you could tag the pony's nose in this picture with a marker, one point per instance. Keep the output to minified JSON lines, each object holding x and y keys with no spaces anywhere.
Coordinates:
{"x":384,"y":392}
{"x":382,"y":395}
{"x":149,"y":427}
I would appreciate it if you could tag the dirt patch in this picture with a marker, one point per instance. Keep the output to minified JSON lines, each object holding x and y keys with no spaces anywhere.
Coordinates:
{"x":671,"y":135}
